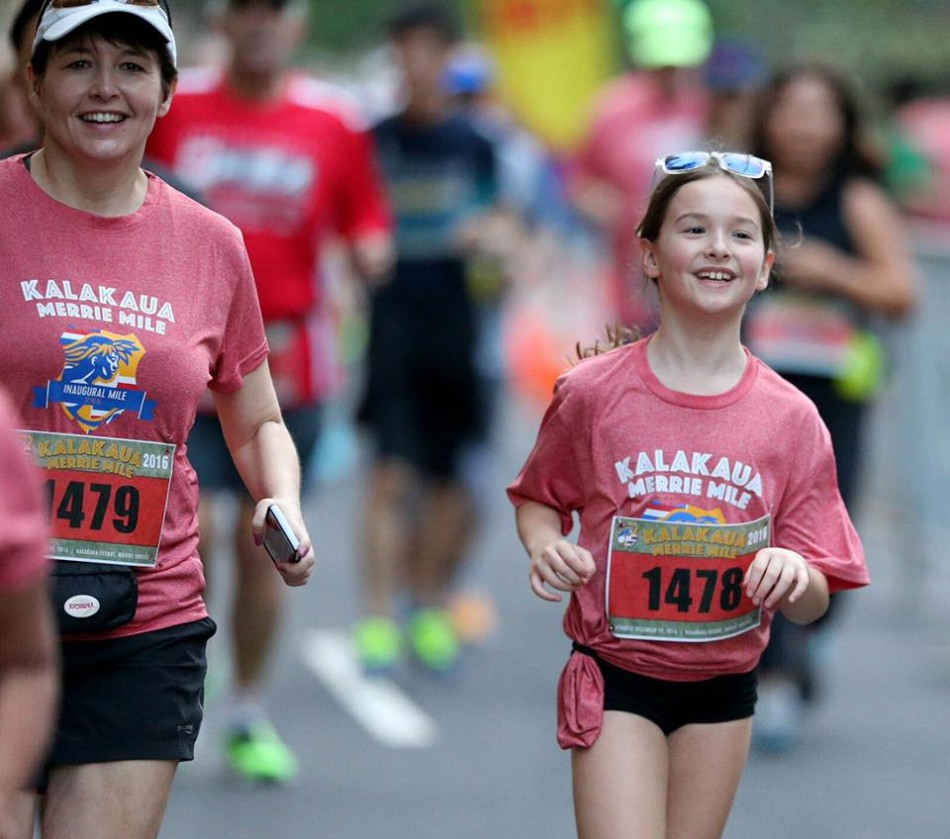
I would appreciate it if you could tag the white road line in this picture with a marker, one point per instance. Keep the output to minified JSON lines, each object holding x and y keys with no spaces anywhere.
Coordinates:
{"x":377,"y":704}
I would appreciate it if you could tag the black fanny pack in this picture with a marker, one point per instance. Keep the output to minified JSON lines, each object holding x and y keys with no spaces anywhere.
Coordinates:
{"x":93,"y":596}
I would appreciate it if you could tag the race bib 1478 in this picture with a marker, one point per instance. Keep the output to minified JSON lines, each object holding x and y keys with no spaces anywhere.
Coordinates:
{"x":681,"y":581}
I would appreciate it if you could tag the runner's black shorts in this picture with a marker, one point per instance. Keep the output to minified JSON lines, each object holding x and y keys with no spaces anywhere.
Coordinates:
{"x":671,"y":705}
{"x":423,"y":401}
{"x":134,"y":698}
{"x":209,"y":455}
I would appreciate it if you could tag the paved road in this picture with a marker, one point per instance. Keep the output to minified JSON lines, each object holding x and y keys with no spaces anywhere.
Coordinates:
{"x":475,"y":756}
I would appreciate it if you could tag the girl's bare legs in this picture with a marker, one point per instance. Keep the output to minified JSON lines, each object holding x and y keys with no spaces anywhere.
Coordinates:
{"x":635,"y":783}
{"x":621,"y":782}
{"x":706,"y":763}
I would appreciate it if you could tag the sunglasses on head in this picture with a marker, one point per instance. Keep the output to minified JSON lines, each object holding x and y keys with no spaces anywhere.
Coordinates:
{"x":72,"y":4}
{"x":744,"y":165}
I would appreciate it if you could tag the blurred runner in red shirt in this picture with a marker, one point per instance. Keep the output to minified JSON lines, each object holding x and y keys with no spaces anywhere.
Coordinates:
{"x":286,"y":158}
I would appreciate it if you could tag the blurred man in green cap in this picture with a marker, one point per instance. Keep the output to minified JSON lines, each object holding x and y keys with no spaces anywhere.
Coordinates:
{"x":660,"y":105}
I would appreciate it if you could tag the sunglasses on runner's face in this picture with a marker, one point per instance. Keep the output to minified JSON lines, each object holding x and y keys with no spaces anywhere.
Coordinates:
{"x":72,"y":4}
{"x":744,"y":165}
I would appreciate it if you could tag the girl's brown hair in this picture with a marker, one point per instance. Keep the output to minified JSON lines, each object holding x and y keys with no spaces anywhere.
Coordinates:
{"x":666,"y":189}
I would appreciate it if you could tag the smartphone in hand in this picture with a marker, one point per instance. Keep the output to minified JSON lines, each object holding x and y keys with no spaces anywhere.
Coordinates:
{"x":279,"y":539}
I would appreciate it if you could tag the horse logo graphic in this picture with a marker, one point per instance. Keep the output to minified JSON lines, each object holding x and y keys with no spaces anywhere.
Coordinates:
{"x":98,"y":380}
{"x":627,"y":533}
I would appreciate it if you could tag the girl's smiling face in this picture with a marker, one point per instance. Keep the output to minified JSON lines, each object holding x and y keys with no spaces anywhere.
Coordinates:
{"x":710,"y":256}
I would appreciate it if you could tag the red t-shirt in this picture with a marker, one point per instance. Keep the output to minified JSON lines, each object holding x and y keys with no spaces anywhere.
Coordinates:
{"x":288,"y":173}
{"x":22,"y":517}
{"x":114,"y":328}
{"x":616,"y":443}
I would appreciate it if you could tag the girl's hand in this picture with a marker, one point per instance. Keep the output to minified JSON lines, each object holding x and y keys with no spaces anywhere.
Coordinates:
{"x":776,"y":573}
{"x":562,"y":565}
{"x":294,"y":573}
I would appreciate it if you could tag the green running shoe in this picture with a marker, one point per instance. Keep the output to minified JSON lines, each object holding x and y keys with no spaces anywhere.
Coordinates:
{"x":378,"y":645}
{"x":433,"y":640}
{"x":258,"y":754}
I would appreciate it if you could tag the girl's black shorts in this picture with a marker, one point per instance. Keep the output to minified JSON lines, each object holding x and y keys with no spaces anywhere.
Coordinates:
{"x":671,"y":705}
{"x":134,"y":698}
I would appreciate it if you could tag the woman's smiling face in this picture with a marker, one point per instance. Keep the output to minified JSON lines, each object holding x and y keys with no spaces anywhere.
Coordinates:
{"x":99,"y":99}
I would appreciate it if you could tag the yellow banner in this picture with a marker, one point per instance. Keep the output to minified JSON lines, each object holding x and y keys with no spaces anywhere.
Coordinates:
{"x":551,"y":55}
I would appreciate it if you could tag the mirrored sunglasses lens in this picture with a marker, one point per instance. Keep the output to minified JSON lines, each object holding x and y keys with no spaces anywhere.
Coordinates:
{"x":744,"y":164}
{"x":684,"y":162}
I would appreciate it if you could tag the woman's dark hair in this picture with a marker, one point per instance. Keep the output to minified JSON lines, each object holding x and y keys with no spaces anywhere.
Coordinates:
{"x":118,"y":28}
{"x":855,"y":156}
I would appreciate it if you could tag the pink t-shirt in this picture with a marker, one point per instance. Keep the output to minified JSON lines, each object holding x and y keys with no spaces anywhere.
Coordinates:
{"x":114,"y":328}
{"x":634,"y":123}
{"x":22,"y":517}
{"x":289,"y":174}
{"x":616,"y":443}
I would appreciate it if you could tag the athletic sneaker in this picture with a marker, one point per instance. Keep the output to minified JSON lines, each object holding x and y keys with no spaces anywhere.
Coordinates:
{"x":258,"y":754}
{"x":433,"y":640}
{"x":378,"y":645}
{"x":474,"y":617}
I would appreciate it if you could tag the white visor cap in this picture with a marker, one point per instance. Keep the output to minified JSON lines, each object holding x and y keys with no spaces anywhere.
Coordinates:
{"x":57,"y":23}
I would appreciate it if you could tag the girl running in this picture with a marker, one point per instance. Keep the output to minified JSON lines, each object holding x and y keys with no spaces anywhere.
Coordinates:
{"x":705,"y":489}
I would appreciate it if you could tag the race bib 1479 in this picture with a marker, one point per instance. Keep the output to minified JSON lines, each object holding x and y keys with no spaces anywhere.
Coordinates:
{"x":107,"y":496}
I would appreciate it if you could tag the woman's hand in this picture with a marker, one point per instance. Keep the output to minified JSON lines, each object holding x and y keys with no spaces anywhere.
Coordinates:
{"x":294,"y":573}
{"x":562,"y":565}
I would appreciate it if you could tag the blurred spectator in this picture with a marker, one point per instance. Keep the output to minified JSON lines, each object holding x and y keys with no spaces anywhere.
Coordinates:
{"x":284,"y":157}
{"x":908,"y":174}
{"x":531,"y":205}
{"x":17,"y":121}
{"x":922,"y":116}
{"x":846,"y":265}
{"x":28,"y":673}
{"x":527,"y":181}
{"x":658,"y":106}
{"x":734,"y":73}
{"x":423,"y":404}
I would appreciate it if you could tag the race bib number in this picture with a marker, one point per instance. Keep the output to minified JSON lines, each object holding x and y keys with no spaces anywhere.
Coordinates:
{"x":681,"y":581}
{"x":800,"y":334}
{"x":107,"y":496}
